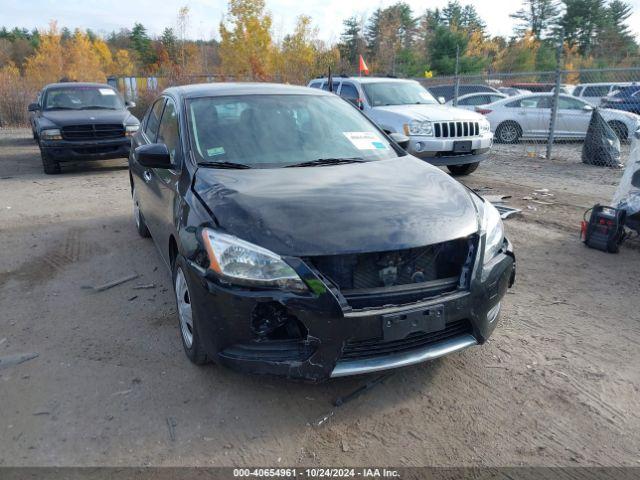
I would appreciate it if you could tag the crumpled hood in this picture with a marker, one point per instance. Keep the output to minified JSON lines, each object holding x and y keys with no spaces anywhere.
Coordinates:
{"x":62,"y":118}
{"x":434,"y":113}
{"x":351,"y":208}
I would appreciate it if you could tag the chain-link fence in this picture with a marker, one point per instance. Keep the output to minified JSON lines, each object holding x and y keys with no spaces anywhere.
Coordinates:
{"x":552,"y":114}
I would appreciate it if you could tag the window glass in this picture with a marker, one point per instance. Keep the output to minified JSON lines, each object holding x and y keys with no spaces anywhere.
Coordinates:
{"x":168,"y":132}
{"x":153,"y":120}
{"x":568,"y":103}
{"x":325,"y":86}
{"x":397,"y":93}
{"x":267,"y":131}
{"x":475,"y":100}
{"x":596,"y":91}
{"x":82,"y":98}
{"x":535,"y":102}
{"x":315,"y":84}
{"x":494,"y":98}
{"x":349,"y":92}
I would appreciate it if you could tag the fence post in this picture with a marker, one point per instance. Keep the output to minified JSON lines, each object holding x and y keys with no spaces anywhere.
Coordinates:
{"x":456,"y":88}
{"x":556,"y":96}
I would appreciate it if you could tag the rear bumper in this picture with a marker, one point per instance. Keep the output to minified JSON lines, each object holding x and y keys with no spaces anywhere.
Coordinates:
{"x":68,"y":151}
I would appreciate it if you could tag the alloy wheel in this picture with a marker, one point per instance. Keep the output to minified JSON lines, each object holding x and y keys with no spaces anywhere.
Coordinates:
{"x":183,"y":300}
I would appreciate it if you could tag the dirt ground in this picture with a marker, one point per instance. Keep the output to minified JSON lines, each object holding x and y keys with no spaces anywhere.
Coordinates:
{"x":557,"y":385}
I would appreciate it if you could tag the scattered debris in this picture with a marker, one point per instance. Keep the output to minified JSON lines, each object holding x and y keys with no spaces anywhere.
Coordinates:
{"x":144,"y":287}
{"x":172,"y":424}
{"x":345,"y":446}
{"x":360,"y":390}
{"x":16,"y":359}
{"x":496,"y":198}
{"x":42,"y":412}
{"x":132,"y":298}
{"x":324,"y":418}
{"x":540,"y":202}
{"x":121,"y":392}
{"x":506,"y":212}
{"x":115,"y":283}
{"x":4,"y":339}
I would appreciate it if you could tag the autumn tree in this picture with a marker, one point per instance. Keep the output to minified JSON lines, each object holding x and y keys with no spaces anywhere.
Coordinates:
{"x":538,"y":17}
{"x":295,"y":61}
{"x":47,"y":64}
{"x":83,"y":62}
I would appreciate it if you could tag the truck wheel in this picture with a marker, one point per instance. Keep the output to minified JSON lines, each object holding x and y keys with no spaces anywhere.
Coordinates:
{"x":187,"y":316}
{"x":50,"y":166}
{"x":466,"y":169}
{"x":508,"y":132}
{"x":141,"y":225}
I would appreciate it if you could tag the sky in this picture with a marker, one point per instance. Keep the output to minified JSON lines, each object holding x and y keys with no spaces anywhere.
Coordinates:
{"x":205,"y":15}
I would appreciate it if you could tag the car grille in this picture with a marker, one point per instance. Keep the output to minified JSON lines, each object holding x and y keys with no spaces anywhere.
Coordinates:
{"x":456,"y":129}
{"x":92,"y":132}
{"x":395,"y":277}
{"x":376,"y":347}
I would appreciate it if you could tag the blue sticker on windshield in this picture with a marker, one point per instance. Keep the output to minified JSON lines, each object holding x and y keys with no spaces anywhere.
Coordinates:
{"x":215,"y":151}
{"x":379,"y":145}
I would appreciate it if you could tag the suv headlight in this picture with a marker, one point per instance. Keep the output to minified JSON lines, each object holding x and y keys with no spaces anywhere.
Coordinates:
{"x":51,"y":134}
{"x":243,"y":263}
{"x":493,"y":229}
{"x":129,"y":130}
{"x":417,"y":127}
{"x":484,"y":125}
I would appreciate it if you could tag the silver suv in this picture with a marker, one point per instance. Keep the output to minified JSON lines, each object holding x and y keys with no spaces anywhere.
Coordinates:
{"x":441,"y":135}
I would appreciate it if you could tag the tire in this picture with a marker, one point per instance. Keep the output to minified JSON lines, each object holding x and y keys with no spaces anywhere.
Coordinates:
{"x":141,"y":225}
{"x":50,"y":166}
{"x":508,"y":132}
{"x":466,"y":169}
{"x":187,"y":316}
{"x":620,"y":130}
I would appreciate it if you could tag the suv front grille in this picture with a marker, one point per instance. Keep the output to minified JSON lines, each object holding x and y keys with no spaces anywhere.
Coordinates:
{"x":93,"y":132}
{"x":377,"y":347}
{"x":456,"y":129}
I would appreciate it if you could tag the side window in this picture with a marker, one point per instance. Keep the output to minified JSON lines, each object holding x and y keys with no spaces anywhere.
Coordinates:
{"x":349,"y":92}
{"x":597,"y":91}
{"x":315,"y":84}
{"x":578,"y":92}
{"x":153,"y":120}
{"x":494,"y":98}
{"x":325,"y":86}
{"x":567,"y":103}
{"x":168,"y":132}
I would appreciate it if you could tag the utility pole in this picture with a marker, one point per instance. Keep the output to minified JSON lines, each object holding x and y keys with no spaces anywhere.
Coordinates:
{"x":556,"y":96}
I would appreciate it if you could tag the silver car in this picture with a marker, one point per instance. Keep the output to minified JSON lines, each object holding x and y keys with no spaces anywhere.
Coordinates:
{"x":529,"y":117}
{"x":442,"y":135}
{"x":473,"y":100}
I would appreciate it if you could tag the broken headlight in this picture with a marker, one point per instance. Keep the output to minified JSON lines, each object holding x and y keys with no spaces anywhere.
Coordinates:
{"x":493,"y":230}
{"x":239,"y":262}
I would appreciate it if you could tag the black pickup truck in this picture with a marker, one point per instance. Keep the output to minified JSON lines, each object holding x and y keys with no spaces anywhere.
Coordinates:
{"x":81,"y":121}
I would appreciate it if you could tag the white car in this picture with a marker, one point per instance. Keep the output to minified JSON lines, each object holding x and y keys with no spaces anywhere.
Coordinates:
{"x":529,"y":116}
{"x":473,"y":100}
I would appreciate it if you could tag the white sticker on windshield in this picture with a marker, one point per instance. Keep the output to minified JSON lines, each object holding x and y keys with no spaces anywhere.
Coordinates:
{"x":366,"y":140}
{"x":426,"y":96}
{"x":106,"y":91}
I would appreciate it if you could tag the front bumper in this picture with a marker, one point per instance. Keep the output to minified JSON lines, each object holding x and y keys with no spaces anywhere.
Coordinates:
{"x":440,"y":151}
{"x":70,"y":151}
{"x":325,"y":348}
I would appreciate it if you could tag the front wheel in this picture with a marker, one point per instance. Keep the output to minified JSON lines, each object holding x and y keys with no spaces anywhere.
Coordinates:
{"x":187,"y":316}
{"x":466,"y":169}
{"x":50,"y":166}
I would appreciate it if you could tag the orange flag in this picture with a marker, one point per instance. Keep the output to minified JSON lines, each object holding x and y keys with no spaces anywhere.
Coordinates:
{"x":363,"y":67}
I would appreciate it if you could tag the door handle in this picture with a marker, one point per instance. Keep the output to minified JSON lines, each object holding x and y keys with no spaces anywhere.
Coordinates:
{"x":146,"y":176}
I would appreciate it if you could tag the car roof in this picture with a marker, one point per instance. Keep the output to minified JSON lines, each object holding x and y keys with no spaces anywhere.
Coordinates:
{"x":77,"y":84}
{"x":240,"y":88}
{"x":602,"y":84}
{"x":367,"y":79}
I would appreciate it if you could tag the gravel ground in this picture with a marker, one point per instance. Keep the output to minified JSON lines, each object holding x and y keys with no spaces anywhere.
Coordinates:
{"x":557,"y":384}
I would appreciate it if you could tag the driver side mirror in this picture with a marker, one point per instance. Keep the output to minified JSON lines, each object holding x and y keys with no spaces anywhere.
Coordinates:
{"x":587,"y":108}
{"x":442,"y":100}
{"x":33,"y":107}
{"x":400,"y":139}
{"x":130,"y":104}
{"x":154,"y":155}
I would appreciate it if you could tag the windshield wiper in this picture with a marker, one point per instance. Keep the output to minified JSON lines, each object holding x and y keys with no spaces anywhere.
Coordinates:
{"x":60,"y":108}
{"x":238,"y":166}
{"x":328,"y":161}
{"x":97,"y":107}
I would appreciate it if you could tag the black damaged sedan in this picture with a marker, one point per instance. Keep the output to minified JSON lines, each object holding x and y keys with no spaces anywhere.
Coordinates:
{"x":305,"y":242}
